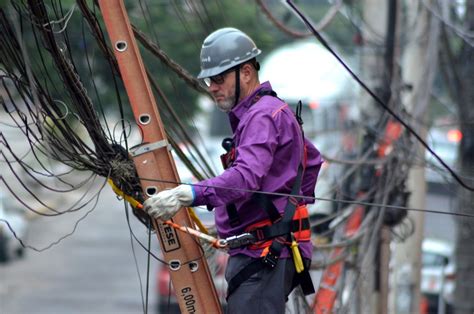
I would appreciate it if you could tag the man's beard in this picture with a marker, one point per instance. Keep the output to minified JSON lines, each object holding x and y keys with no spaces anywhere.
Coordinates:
{"x":227,"y":104}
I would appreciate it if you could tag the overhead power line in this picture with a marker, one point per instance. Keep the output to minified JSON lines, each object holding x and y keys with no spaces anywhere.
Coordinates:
{"x":316,"y":198}
{"x":465,"y":35}
{"x":377,"y":99}
{"x":325,"y":21}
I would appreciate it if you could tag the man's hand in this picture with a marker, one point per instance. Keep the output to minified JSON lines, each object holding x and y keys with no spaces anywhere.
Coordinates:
{"x":165,"y":204}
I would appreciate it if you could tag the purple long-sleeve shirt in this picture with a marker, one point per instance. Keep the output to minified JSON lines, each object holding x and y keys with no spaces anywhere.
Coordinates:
{"x":269,"y":149}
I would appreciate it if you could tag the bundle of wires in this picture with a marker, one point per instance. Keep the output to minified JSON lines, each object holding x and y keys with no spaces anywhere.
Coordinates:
{"x":56,"y":115}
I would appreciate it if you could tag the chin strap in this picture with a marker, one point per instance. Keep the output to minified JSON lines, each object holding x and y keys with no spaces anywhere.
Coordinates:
{"x":237,"y":86}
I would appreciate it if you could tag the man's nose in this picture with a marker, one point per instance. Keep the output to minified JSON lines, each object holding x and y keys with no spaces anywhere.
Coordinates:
{"x":213,"y":87}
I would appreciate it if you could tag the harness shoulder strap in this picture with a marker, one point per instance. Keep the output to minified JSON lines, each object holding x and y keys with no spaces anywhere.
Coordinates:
{"x":275,"y":248}
{"x":271,"y":258}
{"x":266,"y":203}
{"x":282,"y":226}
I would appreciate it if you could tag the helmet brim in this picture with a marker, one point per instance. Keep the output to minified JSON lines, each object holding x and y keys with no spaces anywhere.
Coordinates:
{"x":226,"y":65}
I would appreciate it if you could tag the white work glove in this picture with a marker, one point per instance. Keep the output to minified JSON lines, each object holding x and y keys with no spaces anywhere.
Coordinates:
{"x":165,"y":204}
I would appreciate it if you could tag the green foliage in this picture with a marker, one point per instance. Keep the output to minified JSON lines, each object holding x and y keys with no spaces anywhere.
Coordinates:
{"x":178,"y":27}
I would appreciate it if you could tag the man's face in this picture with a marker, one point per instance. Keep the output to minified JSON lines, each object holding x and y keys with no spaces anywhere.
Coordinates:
{"x":222,"y":88}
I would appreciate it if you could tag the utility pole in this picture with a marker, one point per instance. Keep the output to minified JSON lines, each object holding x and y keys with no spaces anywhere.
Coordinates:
{"x":459,"y":77}
{"x":379,"y":33}
{"x":391,"y":79}
{"x":372,"y":61}
{"x":419,"y":61}
{"x":189,"y":271}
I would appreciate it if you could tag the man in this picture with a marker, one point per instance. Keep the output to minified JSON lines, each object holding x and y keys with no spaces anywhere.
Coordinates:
{"x":268,"y":154}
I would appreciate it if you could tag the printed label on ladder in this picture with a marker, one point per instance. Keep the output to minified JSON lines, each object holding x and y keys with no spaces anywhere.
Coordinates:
{"x":168,"y":237}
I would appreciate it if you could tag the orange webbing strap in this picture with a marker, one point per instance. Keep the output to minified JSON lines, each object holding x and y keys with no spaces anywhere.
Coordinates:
{"x":271,"y":254}
{"x":255,"y":228}
{"x":265,"y":250}
{"x":301,"y":217}
{"x":299,"y":227}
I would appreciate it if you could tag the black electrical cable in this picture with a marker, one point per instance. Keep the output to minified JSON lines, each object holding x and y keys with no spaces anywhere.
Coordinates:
{"x":376,"y":98}
{"x":313,"y":198}
{"x":148,"y":264}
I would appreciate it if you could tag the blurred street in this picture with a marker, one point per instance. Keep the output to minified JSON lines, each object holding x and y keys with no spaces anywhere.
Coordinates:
{"x":92,"y":271}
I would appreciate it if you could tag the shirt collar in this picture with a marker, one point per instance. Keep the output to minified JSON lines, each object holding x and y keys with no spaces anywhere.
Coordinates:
{"x":243,"y":106}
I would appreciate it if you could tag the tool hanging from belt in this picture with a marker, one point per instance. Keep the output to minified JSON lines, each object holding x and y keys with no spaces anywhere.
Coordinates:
{"x":280,"y":233}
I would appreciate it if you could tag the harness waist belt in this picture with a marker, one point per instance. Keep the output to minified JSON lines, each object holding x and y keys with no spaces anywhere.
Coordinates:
{"x":264,"y":231}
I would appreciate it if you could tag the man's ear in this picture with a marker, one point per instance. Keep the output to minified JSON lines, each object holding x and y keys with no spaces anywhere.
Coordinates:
{"x":246,"y":72}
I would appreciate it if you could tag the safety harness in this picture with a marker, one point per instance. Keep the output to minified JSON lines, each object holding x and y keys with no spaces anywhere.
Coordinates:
{"x":276,"y":232}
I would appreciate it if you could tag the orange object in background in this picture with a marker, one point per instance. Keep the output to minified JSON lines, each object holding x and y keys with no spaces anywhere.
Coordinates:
{"x":454,"y":135}
{"x":326,"y":295}
{"x":423,"y":305}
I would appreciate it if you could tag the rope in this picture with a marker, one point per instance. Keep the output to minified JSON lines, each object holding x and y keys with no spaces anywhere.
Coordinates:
{"x":203,"y":234}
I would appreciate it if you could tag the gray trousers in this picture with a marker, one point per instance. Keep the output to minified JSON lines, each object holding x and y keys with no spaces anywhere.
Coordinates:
{"x":264,"y":292}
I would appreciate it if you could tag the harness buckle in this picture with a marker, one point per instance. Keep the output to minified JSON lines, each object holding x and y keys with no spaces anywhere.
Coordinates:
{"x":237,"y":241}
{"x":270,"y":259}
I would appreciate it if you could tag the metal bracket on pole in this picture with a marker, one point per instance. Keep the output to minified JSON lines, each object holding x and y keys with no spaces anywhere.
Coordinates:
{"x":195,"y":290}
{"x":145,"y":148}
